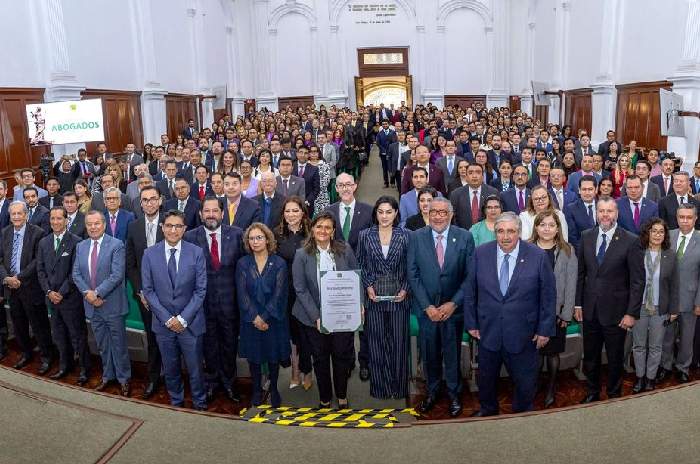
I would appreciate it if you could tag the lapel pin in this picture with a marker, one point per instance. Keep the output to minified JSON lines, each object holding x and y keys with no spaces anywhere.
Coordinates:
{"x":522,"y":260}
{"x":454,"y":239}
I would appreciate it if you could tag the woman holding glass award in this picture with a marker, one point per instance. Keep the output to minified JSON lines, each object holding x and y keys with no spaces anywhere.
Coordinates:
{"x":381,"y":253}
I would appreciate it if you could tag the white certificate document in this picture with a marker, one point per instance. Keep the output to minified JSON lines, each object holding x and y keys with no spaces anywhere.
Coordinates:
{"x":341,"y":301}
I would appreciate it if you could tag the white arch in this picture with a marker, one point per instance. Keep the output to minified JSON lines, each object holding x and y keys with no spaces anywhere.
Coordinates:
{"x":474,"y":5}
{"x":291,"y":6}
{"x":337,"y":7}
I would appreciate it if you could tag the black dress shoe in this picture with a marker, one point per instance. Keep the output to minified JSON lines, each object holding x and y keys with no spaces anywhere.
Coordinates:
{"x":60,"y":374}
{"x":44,"y":368}
{"x":149,"y":391}
{"x":651,"y":385}
{"x":663,"y":374}
{"x":22,"y":363}
{"x":455,"y":408}
{"x":82,"y":378}
{"x":203,"y":407}
{"x":344,"y":405}
{"x":480,"y":413}
{"x":682,"y":377}
{"x":125,"y":389}
{"x":638,"y":385}
{"x":591,"y":398}
{"x":232,"y":394}
{"x":427,"y":404}
{"x":364,"y":374}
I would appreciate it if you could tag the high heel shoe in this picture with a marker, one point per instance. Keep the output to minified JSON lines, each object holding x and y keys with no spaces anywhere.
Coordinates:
{"x":308,"y":382}
{"x":549,"y":399}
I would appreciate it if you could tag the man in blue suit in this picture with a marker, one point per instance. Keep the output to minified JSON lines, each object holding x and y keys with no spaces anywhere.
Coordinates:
{"x":634,"y":210}
{"x":239,"y":211}
{"x":561,"y":196}
{"x":438,"y":258}
{"x":385,"y":137}
{"x":174,"y":276}
{"x":513,"y":319}
{"x":98,"y":272}
{"x":116,"y":218}
{"x":221,"y":245}
{"x":515,"y":199}
{"x":580,"y":214}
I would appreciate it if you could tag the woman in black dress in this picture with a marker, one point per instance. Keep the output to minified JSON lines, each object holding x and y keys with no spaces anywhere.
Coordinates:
{"x":547,"y":235}
{"x":290,"y":236}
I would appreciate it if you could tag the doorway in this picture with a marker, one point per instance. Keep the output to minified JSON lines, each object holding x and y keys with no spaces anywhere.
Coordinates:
{"x":383,"y":77}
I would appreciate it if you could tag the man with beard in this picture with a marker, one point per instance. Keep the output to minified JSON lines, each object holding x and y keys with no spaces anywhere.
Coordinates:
{"x":221,"y":245}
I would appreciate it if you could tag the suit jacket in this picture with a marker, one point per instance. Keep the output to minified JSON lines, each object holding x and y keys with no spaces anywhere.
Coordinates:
{"x":394,"y":155}
{"x":688,"y":269}
{"x":304,"y":274}
{"x":77,"y":172}
{"x":186,"y":171}
{"x":110,"y":276}
{"x":461,"y":201}
{"x":625,"y":219}
{"x":29,"y":291}
{"x":668,"y":206}
{"x":164,"y":189}
{"x":528,"y":307}
{"x":312,"y":182}
{"x":5,"y":213}
{"x":441,"y":163}
{"x":384,"y":140}
{"x":361,"y":219}
{"x":41,"y":218}
{"x":653,"y":192}
{"x":247,"y":213}
{"x":188,"y":132}
{"x":435,"y":179}
{"x":431,"y":285}
{"x":77,"y":227}
{"x":276,"y":210}
{"x":135,"y":246}
{"x":614,"y":288}
{"x":192,"y":219}
{"x":577,"y":221}
{"x":578,"y":153}
{"x":124,"y":217}
{"x":55,"y":269}
{"x":98,"y":202}
{"x":659,"y":181}
{"x":194,"y":190}
{"x":46,"y":201}
{"x":566,"y":277}
{"x":574,"y":177}
{"x":494,"y":160}
{"x":185,"y":297}
{"x":297,"y":187}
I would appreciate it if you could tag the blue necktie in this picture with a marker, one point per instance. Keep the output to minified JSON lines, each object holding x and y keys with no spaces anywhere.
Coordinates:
{"x":503,"y":277}
{"x":172,"y":267}
{"x":601,"y":250}
{"x":15,"y":254}
{"x":450,"y":164}
{"x":590,"y":214}
{"x":266,"y":212}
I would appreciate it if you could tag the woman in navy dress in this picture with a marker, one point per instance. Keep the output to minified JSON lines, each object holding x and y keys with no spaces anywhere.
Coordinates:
{"x":381,"y":254}
{"x":262,"y":287}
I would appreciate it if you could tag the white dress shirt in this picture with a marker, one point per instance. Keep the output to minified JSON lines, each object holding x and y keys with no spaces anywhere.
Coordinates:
{"x":609,"y":235}
{"x":512,"y":260}
{"x":178,"y":249}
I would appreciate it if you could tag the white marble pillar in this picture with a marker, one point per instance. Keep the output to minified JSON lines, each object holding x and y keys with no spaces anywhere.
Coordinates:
{"x":498,"y":44}
{"x":264,"y":95}
{"x":431,"y":90}
{"x":337,"y":94}
{"x":153,"y":115}
{"x":315,"y":63}
{"x":526,"y":103}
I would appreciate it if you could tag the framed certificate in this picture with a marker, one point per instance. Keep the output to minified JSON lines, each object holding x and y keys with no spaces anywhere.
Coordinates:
{"x":341,"y":301}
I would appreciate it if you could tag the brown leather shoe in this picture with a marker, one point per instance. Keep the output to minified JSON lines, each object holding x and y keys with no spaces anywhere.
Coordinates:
{"x":125,"y":389}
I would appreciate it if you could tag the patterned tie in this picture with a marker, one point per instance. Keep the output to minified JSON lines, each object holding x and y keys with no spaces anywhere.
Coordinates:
{"x":172,"y":267}
{"x":201,"y":192}
{"x":450,"y":164}
{"x":93,"y":264}
{"x":181,"y":206}
{"x":504,"y":276}
{"x":440,"y":251}
{"x":475,"y":207}
{"x":215,"y":262}
{"x":346,"y":224}
{"x":681,"y":249}
{"x":286,"y":186}
{"x":636,"y":215}
{"x":57,"y":245}
{"x":16,"y":252}
{"x":70,"y":223}
{"x":301,"y":171}
{"x":601,"y":250}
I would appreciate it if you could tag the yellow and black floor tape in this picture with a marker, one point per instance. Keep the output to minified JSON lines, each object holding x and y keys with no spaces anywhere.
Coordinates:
{"x":327,"y":417}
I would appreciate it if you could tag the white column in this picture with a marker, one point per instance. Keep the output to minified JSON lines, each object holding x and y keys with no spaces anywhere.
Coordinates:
{"x":153,"y":115}
{"x":431,"y":90}
{"x":526,"y":97}
{"x":315,"y":64}
{"x":265,"y":95}
{"x":497,"y":40}
{"x":336,"y":88}
{"x":526,"y":105}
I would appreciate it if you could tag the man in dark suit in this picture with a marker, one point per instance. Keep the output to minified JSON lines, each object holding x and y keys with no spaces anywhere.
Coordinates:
{"x":4,"y":205}
{"x":448,"y":163}
{"x":665,"y":180}
{"x":167,"y":185}
{"x":83,"y":168}
{"x":201,"y":187}
{"x":609,"y":294}
{"x":437,"y":263}
{"x":580,"y":214}
{"x":310,"y":174}
{"x":633,"y":210}
{"x":20,"y":244}
{"x":75,"y":219}
{"x":185,"y":168}
{"x":142,"y":233}
{"x":680,"y":194}
{"x":117,"y":218}
{"x":287,"y":184}
{"x":271,"y":203}
{"x":54,"y":268}
{"x":184,"y":203}
{"x":238,"y":210}
{"x":53,"y":198}
{"x":561,"y":196}
{"x":188,"y":132}
{"x":385,"y":137}
{"x":399,"y":154}
{"x":175,"y":285}
{"x":513,"y":319}
{"x":221,"y":245}
{"x":467,"y":200}
{"x":435,"y":178}
{"x":515,"y":199}
{"x":37,"y":215}
{"x":603,"y":147}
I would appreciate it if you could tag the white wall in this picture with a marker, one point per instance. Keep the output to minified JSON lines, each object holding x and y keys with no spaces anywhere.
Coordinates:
{"x":466,"y":60}
{"x":584,"y":36}
{"x":20,"y":64}
{"x":292,"y":54}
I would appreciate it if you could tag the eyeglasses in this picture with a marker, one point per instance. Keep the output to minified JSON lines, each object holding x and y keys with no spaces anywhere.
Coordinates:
{"x":518,"y":174}
{"x":173,"y":226}
{"x":256,"y":238}
{"x":344,"y":186}
{"x":439,"y":212}
{"x":112,"y":198}
{"x":149,"y":200}
{"x":539,"y":198}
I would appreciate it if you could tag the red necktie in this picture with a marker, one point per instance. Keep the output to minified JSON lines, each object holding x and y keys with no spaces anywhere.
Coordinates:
{"x":475,"y":208}
{"x":215,"y":263}
{"x":201,"y":192}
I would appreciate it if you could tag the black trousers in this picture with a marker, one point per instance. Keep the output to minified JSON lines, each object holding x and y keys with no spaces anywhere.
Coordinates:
{"x":336,"y":349}
{"x":25,"y":314}
{"x":397,"y":182}
{"x":220,"y":345}
{"x":385,"y":167}
{"x":595,"y":335}
{"x":363,"y":355}
{"x":301,"y":341}
{"x":155,"y":362}
{"x":69,"y":332}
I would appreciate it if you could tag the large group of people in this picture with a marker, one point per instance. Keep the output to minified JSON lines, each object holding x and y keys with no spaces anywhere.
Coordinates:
{"x":505,"y":228}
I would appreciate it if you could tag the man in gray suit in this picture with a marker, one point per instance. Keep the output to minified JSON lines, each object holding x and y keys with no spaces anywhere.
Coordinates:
{"x":287,"y":184}
{"x":132,"y":190}
{"x":132,"y":160}
{"x":98,"y":272}
{"x":98,"y":201}
{"x":448,"y":163}
{"x":329,"y":153}
{"x":467,"y":200}
{"x":685,"y":241}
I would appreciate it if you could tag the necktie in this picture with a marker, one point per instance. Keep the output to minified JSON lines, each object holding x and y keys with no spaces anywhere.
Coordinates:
{"x":150,"y":236}
{"x":346,"y":224}
{"x":301,"y":171}
{"x":215,"y":263}
{"x":266,"y":211}
{"x":636,"y":215}
{"x":697,"y":186}
{"x":590,"y":214}
{"x":521,"y":200}
{"x":16,"y":254}
{"x":70,"y":223}
{"x":31,"y":213}
{"x":181,"y":206}
{"x":51,"y":202}
{"x":83,"y":168}
{"x":504,"y":277}
{"x":440,"y":251}
{"x":171,"y":187}
{"x":475,"y":207}
{"x":450,"y":164}
{"x":682,"y":200}
{"x":93,"y":263}
{"x":201,"y":192}
{"x":286,"y":186}
{"x":172,"y":267}
{"x":665,"y":185}
{"x":113,"y":223}
{"x":560,"y":198}
{"x":681,"y":248}
{"x":231,"y":213}
{"x":601,"y":250}
{"x":58,"y":244}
